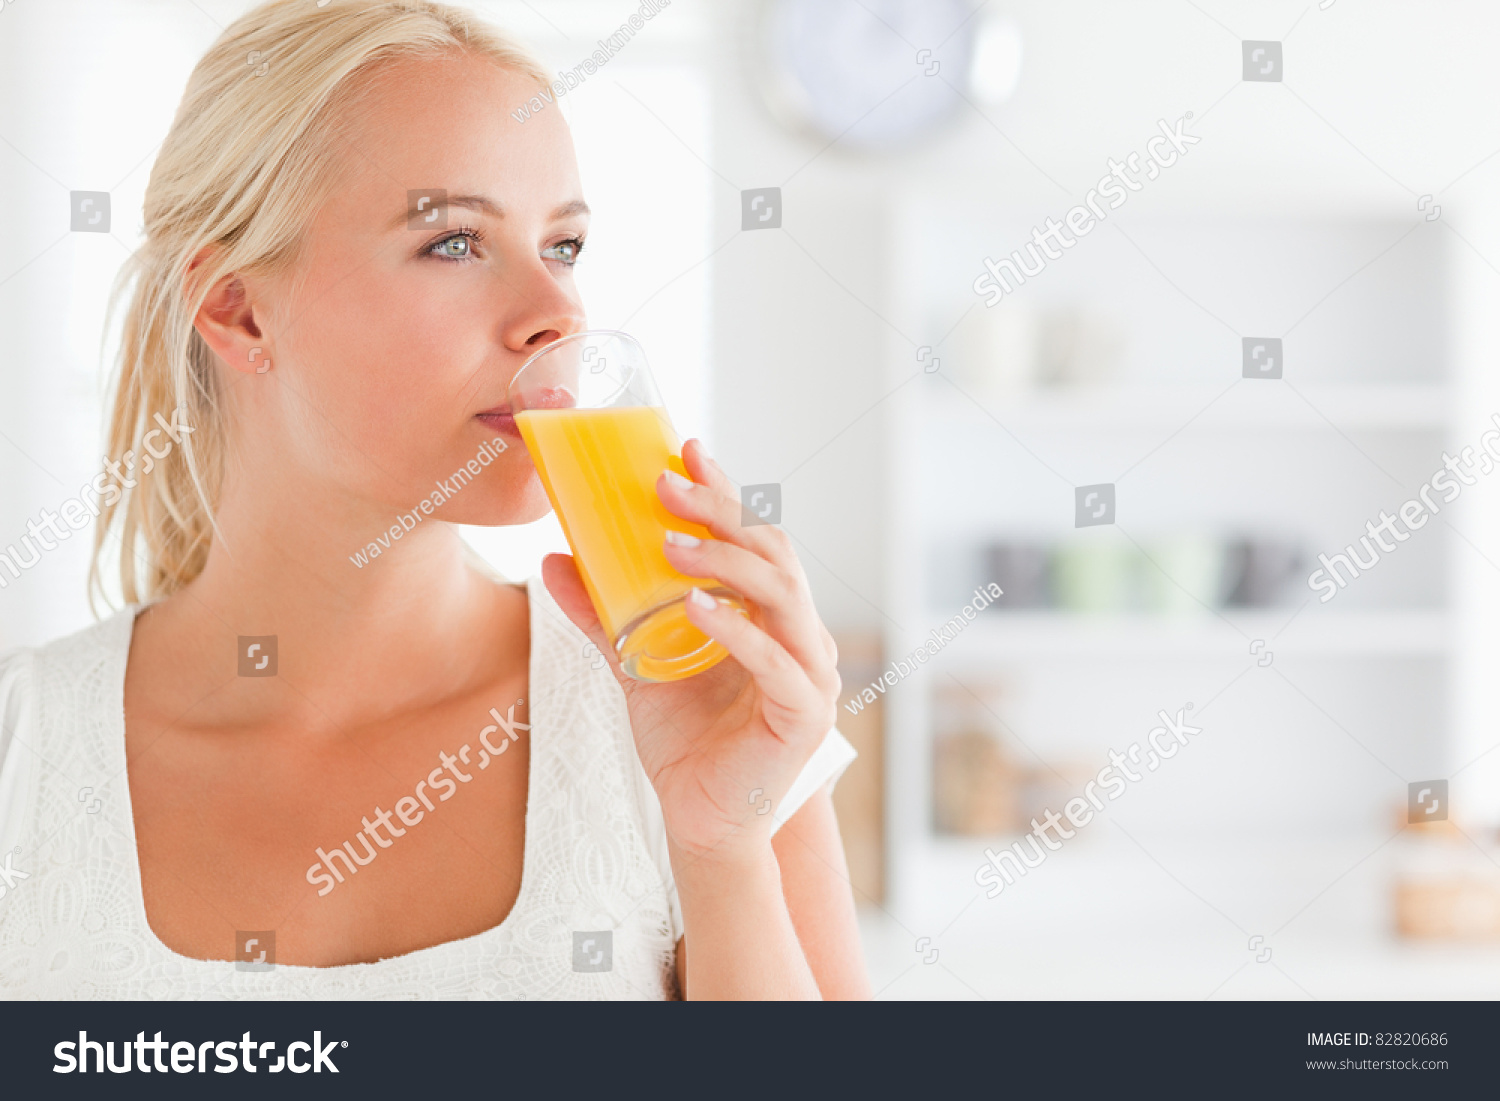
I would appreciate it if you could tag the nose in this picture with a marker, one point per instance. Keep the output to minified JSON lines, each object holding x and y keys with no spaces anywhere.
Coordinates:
{"x":546,"y":309}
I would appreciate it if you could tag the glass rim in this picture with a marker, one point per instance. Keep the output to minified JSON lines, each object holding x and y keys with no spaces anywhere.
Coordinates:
{"x":638,"y":368}
{"x":580,"y":335}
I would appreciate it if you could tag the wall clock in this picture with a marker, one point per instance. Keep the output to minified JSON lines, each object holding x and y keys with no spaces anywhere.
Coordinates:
{"x":882,"y":74}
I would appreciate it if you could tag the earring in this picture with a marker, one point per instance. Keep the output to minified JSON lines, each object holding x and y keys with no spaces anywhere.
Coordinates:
{"x":264,"y":367}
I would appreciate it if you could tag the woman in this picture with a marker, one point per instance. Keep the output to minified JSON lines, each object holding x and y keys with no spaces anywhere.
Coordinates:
{"x":303,"y":360}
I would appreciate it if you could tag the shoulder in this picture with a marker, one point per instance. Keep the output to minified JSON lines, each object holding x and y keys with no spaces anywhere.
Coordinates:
{"x":108,"y":638}
{"x":75,"y":671}
{"x":17,"y":677}
{"x":557,"y":643}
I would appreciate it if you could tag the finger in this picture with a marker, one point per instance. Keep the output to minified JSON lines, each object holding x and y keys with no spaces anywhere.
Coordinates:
{"x":778,"y":547}
{"x":560,"y":575}
{"x":788,"y":692}
{"x":709,"y":473}
{"x":830,"y":647}
{"x":785,"y":605}
{"x":717,"y":508}
{"x":703,"y":469}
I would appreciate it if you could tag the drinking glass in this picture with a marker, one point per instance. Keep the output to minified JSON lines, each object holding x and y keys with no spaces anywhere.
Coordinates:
{"x":593,"y":421}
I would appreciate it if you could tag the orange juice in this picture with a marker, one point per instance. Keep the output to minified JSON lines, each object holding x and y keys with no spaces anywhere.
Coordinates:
{"x":599,"y":468}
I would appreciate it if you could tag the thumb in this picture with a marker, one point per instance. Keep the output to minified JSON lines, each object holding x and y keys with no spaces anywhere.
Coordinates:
{"x":560,"y":575}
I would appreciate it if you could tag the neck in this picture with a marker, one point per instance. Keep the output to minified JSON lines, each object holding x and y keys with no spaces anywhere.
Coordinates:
{"x":406,"y":626}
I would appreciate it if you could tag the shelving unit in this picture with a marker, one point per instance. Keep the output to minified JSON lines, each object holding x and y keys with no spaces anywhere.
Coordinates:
{"x":1250,"y":406}
{"x":1194,"y":448}
{"x":1046,"y":635}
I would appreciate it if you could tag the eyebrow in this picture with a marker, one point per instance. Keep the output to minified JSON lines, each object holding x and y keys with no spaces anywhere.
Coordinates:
{"x":486,"y":205}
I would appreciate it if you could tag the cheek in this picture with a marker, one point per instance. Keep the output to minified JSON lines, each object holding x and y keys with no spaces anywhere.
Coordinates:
{"x":395,"y":374}
{"x":391,"y":356}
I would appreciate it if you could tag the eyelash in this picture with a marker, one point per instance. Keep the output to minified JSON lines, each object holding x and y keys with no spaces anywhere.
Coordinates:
{"x":576,"y":242}
{"x":473,"y":235}
{"x":477,"y":237}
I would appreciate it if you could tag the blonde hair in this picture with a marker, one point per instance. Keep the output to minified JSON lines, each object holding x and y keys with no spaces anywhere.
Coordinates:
{"x":245,"y":163}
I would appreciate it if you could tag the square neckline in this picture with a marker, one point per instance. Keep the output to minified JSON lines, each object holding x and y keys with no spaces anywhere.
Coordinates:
{"x":137,"y":879}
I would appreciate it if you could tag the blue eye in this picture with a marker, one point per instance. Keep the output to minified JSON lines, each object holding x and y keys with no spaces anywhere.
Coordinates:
{"x":464,"y":239}
{"x":565,"y":252}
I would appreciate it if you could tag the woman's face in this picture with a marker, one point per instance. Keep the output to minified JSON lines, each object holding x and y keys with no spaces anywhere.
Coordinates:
{"x":395,"y":338}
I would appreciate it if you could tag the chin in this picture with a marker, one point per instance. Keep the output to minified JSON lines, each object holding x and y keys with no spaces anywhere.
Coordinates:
{"x":505,"y":505}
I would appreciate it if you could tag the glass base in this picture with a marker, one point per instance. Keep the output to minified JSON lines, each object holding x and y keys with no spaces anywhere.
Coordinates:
{"x":663,"y":645}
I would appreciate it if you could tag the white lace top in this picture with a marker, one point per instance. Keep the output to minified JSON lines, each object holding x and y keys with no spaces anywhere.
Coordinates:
{"x":73,"y":919}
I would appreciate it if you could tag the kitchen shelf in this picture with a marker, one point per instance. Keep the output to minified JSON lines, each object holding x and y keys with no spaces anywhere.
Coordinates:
{"x":1018,"y":636}
{"x":1294,"y":461}
{"x":1251,"y":404}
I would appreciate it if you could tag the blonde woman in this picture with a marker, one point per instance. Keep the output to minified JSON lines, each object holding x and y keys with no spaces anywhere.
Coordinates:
{"x":333,"y":364}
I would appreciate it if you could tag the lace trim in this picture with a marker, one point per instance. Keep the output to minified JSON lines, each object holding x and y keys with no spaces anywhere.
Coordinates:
{"x":76,"y":927}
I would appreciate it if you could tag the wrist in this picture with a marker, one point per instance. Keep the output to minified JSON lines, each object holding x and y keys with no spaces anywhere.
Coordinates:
{"x":742,"y":940}
{"x":737,"y":858}
{"x":717,"y":841}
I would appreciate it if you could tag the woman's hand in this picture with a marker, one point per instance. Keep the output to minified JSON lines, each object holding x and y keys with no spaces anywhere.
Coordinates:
{"x":718,"y":745}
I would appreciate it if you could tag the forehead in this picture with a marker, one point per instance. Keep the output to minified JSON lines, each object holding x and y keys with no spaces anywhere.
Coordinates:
{"x":446,"y":122}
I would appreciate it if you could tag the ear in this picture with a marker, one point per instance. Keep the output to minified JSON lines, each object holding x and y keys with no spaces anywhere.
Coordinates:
{"x":226,"y":322}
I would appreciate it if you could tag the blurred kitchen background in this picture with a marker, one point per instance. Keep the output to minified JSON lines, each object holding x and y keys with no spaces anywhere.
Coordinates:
{"x":828,"y":339}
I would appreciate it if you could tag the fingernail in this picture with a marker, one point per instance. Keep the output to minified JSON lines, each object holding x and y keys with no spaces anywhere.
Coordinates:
{"x":678,"y":480}
{"x":682,"y":539}
{"x":702,"y":599}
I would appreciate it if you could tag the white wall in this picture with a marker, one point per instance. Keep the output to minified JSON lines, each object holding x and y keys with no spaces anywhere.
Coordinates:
{"x":799,"y":340}
{"x":93,"y":123}
{"x":89,"y":125}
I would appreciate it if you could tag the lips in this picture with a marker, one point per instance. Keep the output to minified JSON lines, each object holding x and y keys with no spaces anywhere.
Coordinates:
{"x":500,"y":419}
